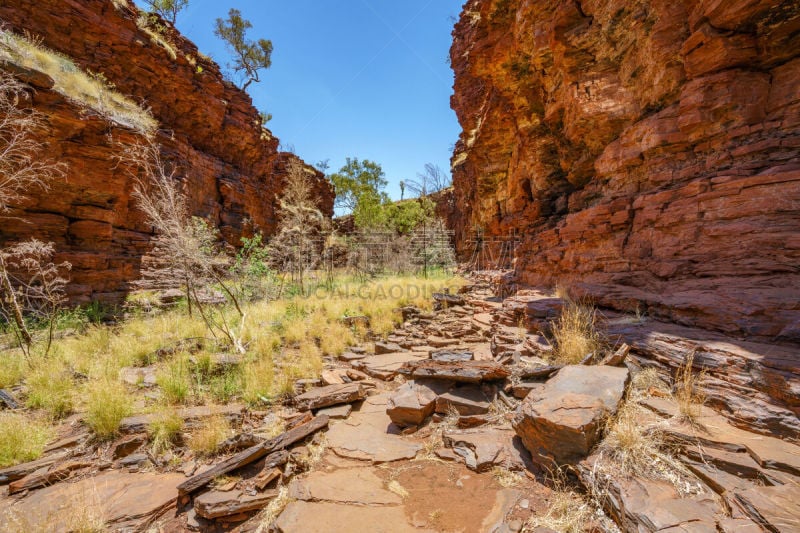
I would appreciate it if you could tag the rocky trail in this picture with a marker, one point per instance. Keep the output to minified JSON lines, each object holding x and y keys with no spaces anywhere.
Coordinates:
{"x":453,"y":423}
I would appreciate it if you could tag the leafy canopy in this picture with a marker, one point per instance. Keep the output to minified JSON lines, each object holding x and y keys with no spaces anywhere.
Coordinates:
{"x":359,"y":182}
{"x":168,"y":9}
{"x":249,"y":56}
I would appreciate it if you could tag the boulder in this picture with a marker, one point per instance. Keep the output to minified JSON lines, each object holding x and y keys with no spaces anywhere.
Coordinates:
{"x":412,"y":403}
{"x":561,"y":421}
{"x":330,"y":395}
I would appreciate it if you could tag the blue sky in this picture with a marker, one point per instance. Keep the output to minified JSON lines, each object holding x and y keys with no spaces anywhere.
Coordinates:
{"x":358,"y":78}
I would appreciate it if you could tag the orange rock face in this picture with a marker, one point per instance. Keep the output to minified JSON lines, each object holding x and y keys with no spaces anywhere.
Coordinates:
{"x":232,"y":169}
{"x":647,"y":152}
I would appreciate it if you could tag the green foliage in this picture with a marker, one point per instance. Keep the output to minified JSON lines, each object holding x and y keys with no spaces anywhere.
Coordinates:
{"x":359,"y":181}
{"x":168,"y":9}
{"x":249,"y":56}
{"x":265,"y":118}
{"x":21,"y":438}
{"x":370,"y":210}
{"x":251,"y":268}
{"x":404,"y":217}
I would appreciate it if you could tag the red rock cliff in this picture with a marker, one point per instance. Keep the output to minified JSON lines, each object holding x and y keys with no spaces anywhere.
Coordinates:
{"x":647,"y":151}
{"x":232,"y":169}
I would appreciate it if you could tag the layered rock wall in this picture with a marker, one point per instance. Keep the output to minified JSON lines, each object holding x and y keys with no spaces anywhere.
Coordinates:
{"x":231,"y":168}
{"x":646,"y":152}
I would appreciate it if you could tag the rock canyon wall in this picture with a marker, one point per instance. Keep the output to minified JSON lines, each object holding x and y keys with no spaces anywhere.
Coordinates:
{"x":645,"y":152}
{"x":232,"y":169}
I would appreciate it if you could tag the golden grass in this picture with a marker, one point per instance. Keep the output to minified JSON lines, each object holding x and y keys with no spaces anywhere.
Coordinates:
{"x":89,"y":90}
{"x":175,"y":381}
{"x":204,"y":441}
{"x":632,"y":448}
{"x":51,"y":389}
{"x":286,"y":340}
{"x":22,"y":438}
{"x":575,"y":333}
{"x":688,"y":392}
{"x":273,"y":510}
{"x":108,"y":402}
{"x":567,"y":512}
{"x":258,"y":381}
{"x":156,"y":33}
{"x":506,"y":478}
{"x":12,"y":369}
{"x":165,"y":430}
{"x":648,"y":380}
{"x":397,"y":488}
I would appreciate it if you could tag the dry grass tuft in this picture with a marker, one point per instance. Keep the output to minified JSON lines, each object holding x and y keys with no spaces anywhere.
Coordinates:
{"x":107,"y":404}
{"x":12,"y":369}
{"x":568,"y":512}
{"x":51,"y":389}
{"x":648,"y":380}
{"x":157,"y":34}
{"x":506,"y":478}
{"x":575,"y":333}
{"x":22,"y":438}
{"x":313,"y":457}
{"x":397,"y":488}
{"x":688,"y":393}
{"x":175,"y":381}
{"x":273,"y":510}
{"x":631,"y":448}
{"x":205,"y":440}
{"x":165,"y":430}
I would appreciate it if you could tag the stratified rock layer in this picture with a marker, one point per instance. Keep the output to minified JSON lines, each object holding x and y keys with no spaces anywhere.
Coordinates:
{"x":645,"y":152}
{"x":232,"y":169}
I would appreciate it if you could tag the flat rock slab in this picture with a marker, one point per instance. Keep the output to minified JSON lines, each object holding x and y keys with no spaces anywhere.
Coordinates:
{"x":337,"y":412}
{"x":710,"y":428}
{"x":773,"y":508}
{"x":463,"y":372}
{"x":326,"y":517}
{"x":352,"y":356}
{"x":370,"y":435}
{"x":451,"y":355}
{"x":359,"y":486}
{"x":386,"y":366}
{"x":484,"y":449}
{"x":330,"y":395}
{"x":387,"y":347}
{"x":561,"y":421}
{"x":123,"y":500}
{"x":216,"y":504}
{"x":466,"y":400}
{"x":645,"y":505}
{"x":414,"y":401}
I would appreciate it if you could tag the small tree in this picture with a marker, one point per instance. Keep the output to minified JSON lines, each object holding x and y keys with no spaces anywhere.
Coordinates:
{"x":184,"y":252}
{"x":433,"y":180}
{"x":168,"y":9}
{"x":30,"y":283}
{"x":358,"y":181}
{"x":35,"y":285}
{"x":249,"y":57}
{"x":297,"y":246}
